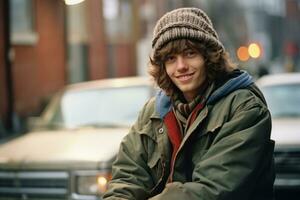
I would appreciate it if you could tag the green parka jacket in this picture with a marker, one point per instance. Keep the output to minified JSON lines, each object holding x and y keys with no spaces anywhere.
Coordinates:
{"x":226,"y":153}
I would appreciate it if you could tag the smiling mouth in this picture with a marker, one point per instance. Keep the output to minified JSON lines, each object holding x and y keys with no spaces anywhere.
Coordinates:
{"x":185,"y":77}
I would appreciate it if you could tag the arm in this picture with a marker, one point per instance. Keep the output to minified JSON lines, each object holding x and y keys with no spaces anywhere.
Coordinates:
{"x":131,"y":178}
{"x":234,"y":163}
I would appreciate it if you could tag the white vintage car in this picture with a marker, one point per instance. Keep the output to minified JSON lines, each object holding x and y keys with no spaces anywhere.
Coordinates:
{"x":282,"y":93}
{"x":70,"y":150}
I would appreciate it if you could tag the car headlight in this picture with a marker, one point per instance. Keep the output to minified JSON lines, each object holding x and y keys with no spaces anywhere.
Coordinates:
{"x":92,"y":184}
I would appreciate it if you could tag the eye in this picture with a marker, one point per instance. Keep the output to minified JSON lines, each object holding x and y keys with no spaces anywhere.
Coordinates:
{"x":170,"y":59}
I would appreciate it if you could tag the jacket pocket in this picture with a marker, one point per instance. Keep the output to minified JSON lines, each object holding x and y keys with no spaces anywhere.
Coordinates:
{"x":155,"y":165}
{"x":153,"y":160}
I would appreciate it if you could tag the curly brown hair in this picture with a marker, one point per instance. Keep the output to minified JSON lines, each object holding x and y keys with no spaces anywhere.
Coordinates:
{"x":217,"y":62}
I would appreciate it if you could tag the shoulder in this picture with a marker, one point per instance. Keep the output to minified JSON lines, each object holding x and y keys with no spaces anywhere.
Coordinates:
{"x":149,"y":109}
{"x":245,"y":100}
{"x":241,"y":111}
{"x":157,"y":107}
{"x":249,"y":96}
{"x":148,"y":112}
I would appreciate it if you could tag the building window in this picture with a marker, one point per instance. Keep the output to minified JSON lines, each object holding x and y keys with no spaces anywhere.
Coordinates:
{"x":22,"y":22}
{"x":118,"y":20}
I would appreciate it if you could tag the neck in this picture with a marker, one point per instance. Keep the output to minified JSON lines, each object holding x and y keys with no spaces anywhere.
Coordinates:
{"x":190,"y":96}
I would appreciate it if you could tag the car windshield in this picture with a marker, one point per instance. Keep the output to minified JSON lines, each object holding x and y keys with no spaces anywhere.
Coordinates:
{"x":283,"y":100}
{"x":99,"y":107}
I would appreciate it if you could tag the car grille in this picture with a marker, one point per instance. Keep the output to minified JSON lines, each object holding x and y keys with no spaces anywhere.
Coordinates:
{"x":287,"y":161}
{"x":34,"y":185}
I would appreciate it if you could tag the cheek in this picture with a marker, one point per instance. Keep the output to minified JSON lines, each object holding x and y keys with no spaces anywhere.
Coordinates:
{"x":201,"y":66}
{"x":169,"y":70}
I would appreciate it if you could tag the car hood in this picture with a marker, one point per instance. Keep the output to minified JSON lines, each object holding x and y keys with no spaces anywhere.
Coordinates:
{"x":286,"y":132}
{"x":68,"y":147}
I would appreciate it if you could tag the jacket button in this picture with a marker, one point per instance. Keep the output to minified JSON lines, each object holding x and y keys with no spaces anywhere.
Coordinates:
{"x":161,"y":130}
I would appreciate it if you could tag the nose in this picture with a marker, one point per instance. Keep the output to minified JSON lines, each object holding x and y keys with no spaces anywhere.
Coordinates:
{"x":181,"y":63}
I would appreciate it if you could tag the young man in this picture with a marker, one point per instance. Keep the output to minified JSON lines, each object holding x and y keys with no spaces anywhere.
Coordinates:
{"x":206,"y":135}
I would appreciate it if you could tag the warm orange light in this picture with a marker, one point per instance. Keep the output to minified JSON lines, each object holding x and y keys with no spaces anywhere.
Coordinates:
{"x":254,"y":50}
{"x":242,"y":53}
{"x":102,"y":184}
{"x":102,"y":181}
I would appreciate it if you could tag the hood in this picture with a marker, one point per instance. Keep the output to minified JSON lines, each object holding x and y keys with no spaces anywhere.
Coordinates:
{"x":67,"y":147}
{"x":286,"y":132}
{"x":238,"y":79}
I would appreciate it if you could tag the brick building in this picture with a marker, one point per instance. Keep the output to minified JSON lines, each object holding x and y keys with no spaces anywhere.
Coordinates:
{"x":51,"y":44}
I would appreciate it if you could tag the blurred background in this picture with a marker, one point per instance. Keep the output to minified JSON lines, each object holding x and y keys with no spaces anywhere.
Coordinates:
{"x":47,"y":44}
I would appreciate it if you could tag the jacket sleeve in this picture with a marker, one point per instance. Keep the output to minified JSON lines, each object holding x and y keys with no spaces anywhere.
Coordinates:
{"x":230,"y":169}
{"x":130,"y":173}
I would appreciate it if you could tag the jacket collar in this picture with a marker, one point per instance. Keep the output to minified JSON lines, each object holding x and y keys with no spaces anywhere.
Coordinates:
{"x":240,"y":79}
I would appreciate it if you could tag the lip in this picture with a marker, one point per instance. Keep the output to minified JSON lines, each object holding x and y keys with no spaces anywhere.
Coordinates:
{"x":185,"y":77}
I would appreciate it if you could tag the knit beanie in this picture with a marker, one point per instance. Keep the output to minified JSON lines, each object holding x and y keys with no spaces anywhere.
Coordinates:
{"x":185,"y":23}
